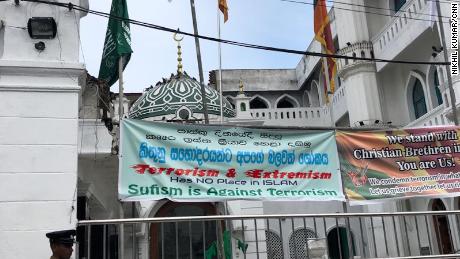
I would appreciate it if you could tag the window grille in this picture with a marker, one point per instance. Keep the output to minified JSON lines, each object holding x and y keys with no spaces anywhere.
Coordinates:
{"x":298,"y":243}
{"x":274,"y":245}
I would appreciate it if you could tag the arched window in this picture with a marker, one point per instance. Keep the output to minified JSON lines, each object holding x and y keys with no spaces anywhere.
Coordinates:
{"x":306,"y":99}
{"x":298,"y":243}
{"x":442,"y":229}
{"x":286,"y":102}
{"x":398,"y":4}
{"x":418,"y":99}
{"x":436,"y":88}
{"x":258,"y":103}
{"x":243,"y":107}
{"x":274,"y":245}
{"x":314,"y":95}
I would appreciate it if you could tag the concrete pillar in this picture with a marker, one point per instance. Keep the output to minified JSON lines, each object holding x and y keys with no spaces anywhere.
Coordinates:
{"x":254,"y":231}
{"x":359,"y":77}
{"x":363,"y":97}
{"x":38,"y":132}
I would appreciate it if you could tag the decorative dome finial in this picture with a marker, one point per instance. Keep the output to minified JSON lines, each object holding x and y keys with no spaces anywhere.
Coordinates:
{"x":179,"y":52}
{"x":241,"y":86}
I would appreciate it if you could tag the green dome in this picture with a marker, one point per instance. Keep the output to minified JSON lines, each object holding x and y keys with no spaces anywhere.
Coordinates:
{"x":177,"y":93}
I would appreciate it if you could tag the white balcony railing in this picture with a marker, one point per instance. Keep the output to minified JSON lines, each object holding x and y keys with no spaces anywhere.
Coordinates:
{"x":435,"y":117}
{"x":402,"y":29}
{"x":339,"y":103}
{"x":312,"y":116}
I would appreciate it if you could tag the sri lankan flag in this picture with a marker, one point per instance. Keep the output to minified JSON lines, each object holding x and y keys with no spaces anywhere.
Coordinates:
{"x":324,"y":36}
{"x":224,"y":9}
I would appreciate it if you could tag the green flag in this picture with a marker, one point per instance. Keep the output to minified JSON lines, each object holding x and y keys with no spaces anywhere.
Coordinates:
{"x":242,"y":246}
{"x":227,"y":244}
{"x":211,"y":251}
{"x":117,"y":43}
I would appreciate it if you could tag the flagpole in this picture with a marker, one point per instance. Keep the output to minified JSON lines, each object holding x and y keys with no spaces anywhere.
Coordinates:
{"x":220,"y":83}
{"x":221,"y":112}
{"x":120,"y":117}
{"x":220,"y":67}
{"x":121,"y":235}
{"x":200,"y":65}
{"x":197,"y":41}
{"x":120,"y":90}
{"x":328,"y":84}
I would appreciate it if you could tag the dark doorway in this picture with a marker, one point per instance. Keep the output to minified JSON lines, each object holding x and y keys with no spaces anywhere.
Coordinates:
{"x":337,"y":243}
{"x":183,"y":239}
{"x":442,"y":229}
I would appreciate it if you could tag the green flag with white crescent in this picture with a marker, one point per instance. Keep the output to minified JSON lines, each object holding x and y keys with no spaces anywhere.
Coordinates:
{"x":117,"y":42}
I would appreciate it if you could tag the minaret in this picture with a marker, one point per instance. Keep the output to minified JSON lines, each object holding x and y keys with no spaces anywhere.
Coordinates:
{"x":242,"y":104}
{"x":359,"y":77}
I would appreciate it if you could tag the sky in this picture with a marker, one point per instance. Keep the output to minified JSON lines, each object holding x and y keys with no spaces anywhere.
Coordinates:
{"x":263,"y":22}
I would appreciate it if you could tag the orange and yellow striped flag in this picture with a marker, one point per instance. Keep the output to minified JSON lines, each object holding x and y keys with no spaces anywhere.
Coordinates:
{"x":324,"y":36}
{"x":224,"y":8}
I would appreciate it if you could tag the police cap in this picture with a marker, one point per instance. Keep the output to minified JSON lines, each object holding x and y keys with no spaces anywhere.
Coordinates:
{"x":62,"y":237}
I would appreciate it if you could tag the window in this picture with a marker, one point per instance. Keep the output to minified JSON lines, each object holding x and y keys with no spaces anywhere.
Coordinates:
{"x":306,"y":99}
{"x":418,"y":99}
{"x":258,"y":103}
{"x":314,"y":94}
{"x":274,"y":245}
{"x":286,"y":102}
{"x":436,"y":88}
{"x":398,"y":4}
{"x":298,"y":243}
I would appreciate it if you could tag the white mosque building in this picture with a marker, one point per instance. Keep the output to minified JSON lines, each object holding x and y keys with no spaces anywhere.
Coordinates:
{"x":58,"y":134}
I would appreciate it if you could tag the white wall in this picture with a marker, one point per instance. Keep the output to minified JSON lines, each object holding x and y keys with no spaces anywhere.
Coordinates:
{"x":38,"y":132}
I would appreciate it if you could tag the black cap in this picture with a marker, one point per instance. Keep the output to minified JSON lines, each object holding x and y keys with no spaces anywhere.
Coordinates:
{"x":62,"y":237}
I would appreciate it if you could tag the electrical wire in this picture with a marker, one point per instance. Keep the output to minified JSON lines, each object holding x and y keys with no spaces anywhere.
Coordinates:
{"x":360,"y":11}
{"x":383,"y":8}
{"x":79,"y":38}
{"x":15,"y":27}
{"x":71,"y":6}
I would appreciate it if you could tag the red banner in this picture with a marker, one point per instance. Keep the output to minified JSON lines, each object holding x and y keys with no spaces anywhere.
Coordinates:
{"x":400,"y":163}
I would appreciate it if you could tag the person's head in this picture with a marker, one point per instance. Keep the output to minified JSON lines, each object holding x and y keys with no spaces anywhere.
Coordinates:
{"x":61,"y":243}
